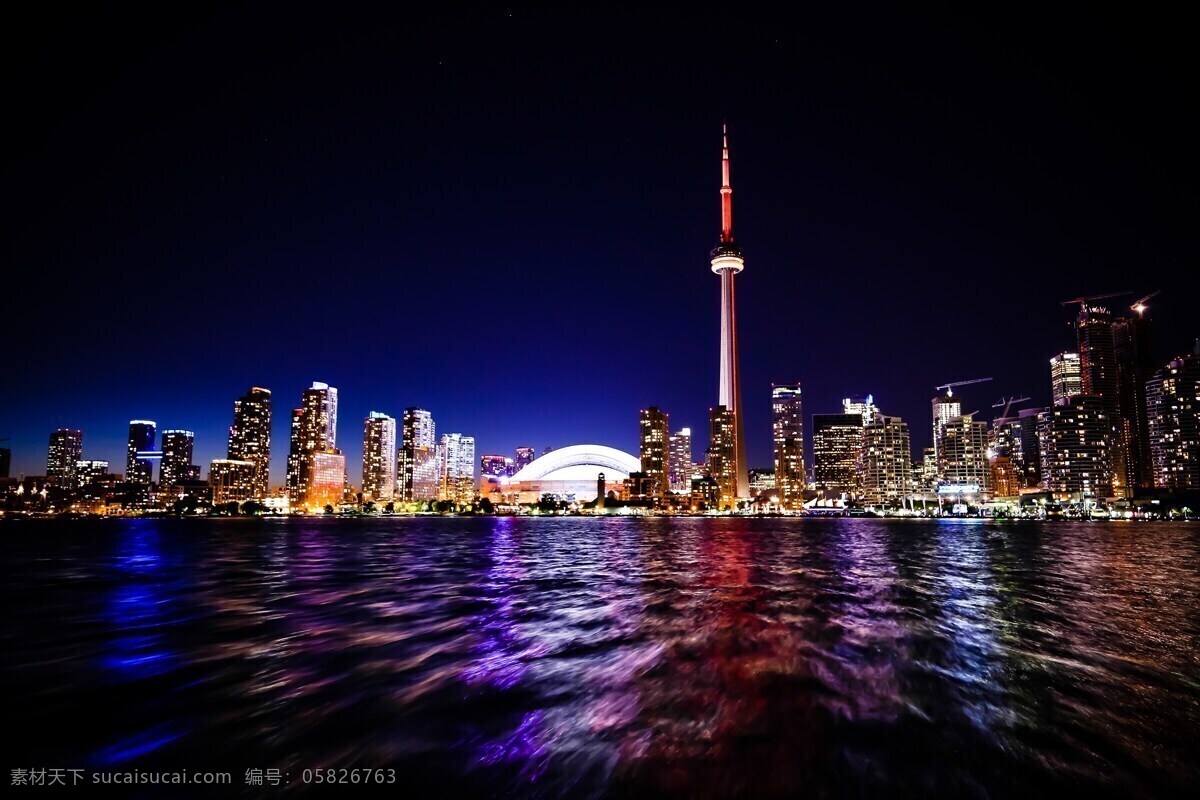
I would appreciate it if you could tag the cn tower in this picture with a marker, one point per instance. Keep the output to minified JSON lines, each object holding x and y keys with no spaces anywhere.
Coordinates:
{"x":727,"y":262}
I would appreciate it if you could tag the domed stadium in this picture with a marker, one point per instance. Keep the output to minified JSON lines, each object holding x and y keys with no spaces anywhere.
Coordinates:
{"x":571,"y":473}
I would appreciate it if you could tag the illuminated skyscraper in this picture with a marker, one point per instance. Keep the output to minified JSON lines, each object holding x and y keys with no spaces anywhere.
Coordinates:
{"x":1135,"y":366}
{"x":722,"y":454}
{"x":787,"y":429}
{"x":837,"y":441}
{"x":863,"y":406}
{"x":654,"y":434}
{"x":1031,"y":448}
{"x":379,"y":457}
{"x":679,"y":461}
{"x":250,"y":436}
{"x":141,"y":440}
{"x":727,"y":262}
{"x":945,"y":408}
{"x":1173,"y":408}
{"x":314,"y":430}
{"x":63,"y":455}
{"x":418,"y":472}
{"x":1098,"y":378}
{"x":327,"y":483}
{"x":232,"y":480}
{"x":176,"y":466}
{"x":1074,"y":438}
{"x":495,"y":466}
{"x":887,"y":461}
{"x":962,"y":459}
{"x":1066,"y":381}
{"x":458,"y":468}
{"x":89,"y":472}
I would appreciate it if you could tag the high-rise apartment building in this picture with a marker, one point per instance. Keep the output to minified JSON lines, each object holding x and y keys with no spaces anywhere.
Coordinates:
{"x":962,"y":459}
{"x":1135,"y":366}
{"x":1098,"y":378}
{"x":787,"y":430}
{"x":654,"y":436}
{"x":327,"y":481}
{"x":250,"y":436}
{"x":525,"y":456}
{"x":457,"y":468}
{"x":863,"y":406}
{"x":232,"y":480}
{"x":837,"y":442}
{"x":379,"y":457}
{"x":1066,"y":378}
{"x":1031,"y":449}
{"x":1074,"y":439}
{"x":176,"y":466}
{"x":1173,"y":410}
{"x":63,"y":455}
{"x":495,"y":466}
{"x":886,"y":478}
{"x":89,"y":472}
{"x":722,"y":454}
{"x":139,"y":469}
{"x":945,"y":408}
{"x":314,"y":430}
{"x":679,"y":461}
{"x":418,"y":470}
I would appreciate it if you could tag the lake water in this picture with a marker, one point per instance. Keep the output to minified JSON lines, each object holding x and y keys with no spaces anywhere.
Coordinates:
{"x":612,"y":657}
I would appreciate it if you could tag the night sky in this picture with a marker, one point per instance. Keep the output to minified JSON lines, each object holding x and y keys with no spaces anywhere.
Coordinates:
{"x":504,"y":215}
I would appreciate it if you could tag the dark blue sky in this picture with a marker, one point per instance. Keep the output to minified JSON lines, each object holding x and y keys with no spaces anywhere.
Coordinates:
{"x":505,"y":216}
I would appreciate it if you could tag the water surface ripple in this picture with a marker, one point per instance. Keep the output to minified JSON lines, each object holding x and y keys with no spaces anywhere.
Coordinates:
{"x":614,"y":657}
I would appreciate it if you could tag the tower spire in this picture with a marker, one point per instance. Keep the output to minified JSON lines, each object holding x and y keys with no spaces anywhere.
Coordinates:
{"x":726,"y":189}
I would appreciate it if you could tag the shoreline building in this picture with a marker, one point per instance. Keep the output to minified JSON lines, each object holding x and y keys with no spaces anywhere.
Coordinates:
{"x":580,"y":473}
{"x":1135,"y":366}
{"x":232,"y":480}
{"x":1074,"y":439}
{"x":722,"y":454}
{"x":417,"y":467}
{"x":887,"y":461}
{"x":314,"y":433}
{"x":379,"y":457}
{"x":1098,"y":378}
{"x":837,"y":440}
{"x":963,"y":467}
{"x":654,"y":437}
{"x":727,"y":262}
{"x":176,"y":466}
{"x":1173,"y":410}
{"x":89,"y":472}
{"x":250,"y":437}
{"x":139,"y":469}
{"x":679,"y":460}
{"x":457,"y":459}
{"x":787,"y":429}
{"x":63,"y":455}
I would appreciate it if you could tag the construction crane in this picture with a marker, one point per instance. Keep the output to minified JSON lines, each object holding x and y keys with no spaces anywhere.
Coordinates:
{"x":949,"y":387}
{"x":1083,"y":301}
{"x":1008,"y":403}
{"x":1140,"y":305}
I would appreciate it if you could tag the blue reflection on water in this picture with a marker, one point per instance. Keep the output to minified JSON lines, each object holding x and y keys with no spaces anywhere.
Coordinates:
{"x":138,"y":608}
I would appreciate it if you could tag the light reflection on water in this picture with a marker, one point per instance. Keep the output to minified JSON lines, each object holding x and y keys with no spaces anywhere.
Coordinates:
{"x":557,"y":657}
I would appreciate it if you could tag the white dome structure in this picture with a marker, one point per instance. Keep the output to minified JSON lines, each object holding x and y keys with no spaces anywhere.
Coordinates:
{"x":572,"y":472}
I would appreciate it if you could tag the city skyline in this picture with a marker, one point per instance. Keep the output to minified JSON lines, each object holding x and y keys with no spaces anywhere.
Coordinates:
{"x":823,"y":221}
